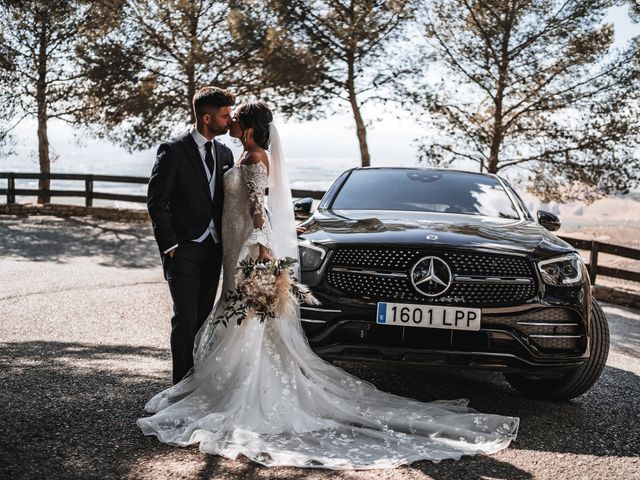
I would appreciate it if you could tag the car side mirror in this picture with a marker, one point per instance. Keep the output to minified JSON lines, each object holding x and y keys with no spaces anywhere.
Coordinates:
{"x":548,"y":220}
{"x":302,"y":208}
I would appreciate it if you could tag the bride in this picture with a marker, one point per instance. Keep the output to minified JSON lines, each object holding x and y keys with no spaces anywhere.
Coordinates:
{"x":258,"y":390}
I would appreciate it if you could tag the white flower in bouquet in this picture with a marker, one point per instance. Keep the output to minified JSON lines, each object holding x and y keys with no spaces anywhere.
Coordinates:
{"x":264,"y":290}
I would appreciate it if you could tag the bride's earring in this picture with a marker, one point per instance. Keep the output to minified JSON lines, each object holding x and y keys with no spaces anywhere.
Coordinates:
{"x":244,"y":137}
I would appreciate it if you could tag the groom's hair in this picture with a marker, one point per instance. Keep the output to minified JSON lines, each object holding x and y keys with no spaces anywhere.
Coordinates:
{"x":209,"y":98}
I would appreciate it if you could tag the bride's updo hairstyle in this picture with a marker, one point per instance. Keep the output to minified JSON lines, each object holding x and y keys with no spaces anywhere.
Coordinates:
{"x":256,"y":115}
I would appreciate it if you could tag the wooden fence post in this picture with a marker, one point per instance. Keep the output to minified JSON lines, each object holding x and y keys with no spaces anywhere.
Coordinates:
{"x":593,"y":261}
{"x":88,"y":187}
{"x":11,"y":188}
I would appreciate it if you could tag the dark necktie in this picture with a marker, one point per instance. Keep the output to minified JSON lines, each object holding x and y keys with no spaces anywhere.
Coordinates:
{"x":208,"y":158}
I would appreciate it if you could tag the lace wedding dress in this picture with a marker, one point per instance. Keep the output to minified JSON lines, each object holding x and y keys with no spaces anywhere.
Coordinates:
{"x":258,"y":390}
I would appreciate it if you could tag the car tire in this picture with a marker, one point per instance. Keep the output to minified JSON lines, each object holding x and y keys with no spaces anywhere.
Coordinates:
{"x":577,"y":382}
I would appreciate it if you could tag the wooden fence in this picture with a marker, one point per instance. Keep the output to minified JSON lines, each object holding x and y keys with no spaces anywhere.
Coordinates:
{"x":595,"y":248}
{"x":89,"y":194}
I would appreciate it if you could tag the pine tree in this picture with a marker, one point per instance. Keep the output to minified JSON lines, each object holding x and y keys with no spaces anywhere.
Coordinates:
{"x":151,"y":56}
{"x":38,"y":74}
{"x":534,"y":84}
{"x":348,"y":42}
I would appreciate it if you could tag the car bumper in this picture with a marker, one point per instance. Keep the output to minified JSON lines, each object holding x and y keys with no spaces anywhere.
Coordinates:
{"x":502,"y":362}
{"x":344,"y":330}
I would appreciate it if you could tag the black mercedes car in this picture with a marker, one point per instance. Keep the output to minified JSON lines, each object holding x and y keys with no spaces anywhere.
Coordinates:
{"x":445,"y":267}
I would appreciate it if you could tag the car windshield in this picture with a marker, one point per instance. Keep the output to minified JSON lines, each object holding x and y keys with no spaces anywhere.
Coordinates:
{"x":426,"y":191}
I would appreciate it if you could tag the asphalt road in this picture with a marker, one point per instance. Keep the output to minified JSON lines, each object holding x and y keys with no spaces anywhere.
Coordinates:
{"x":84,"y":329}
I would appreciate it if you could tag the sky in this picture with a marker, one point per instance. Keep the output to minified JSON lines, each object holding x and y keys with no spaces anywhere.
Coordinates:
{"x":316,"y":151}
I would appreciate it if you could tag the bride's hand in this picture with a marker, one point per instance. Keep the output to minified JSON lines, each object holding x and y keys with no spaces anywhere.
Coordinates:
{"x":264,"y":255}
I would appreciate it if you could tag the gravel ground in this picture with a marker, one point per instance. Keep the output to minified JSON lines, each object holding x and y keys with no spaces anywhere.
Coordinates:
{"x":84,"y":329}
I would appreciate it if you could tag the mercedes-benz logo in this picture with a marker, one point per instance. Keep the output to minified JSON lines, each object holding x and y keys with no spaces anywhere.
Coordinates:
{"x":431,"y":276}
{"x":431,"y":237}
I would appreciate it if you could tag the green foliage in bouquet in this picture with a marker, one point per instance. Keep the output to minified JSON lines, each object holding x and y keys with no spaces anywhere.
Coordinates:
{"x":264,"y":290}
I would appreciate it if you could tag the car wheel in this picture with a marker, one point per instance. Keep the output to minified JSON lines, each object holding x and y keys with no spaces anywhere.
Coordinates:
{"x":577,"y":382}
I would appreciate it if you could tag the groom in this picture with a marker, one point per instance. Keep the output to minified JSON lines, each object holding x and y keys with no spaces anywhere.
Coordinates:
{"x":185,"y":205}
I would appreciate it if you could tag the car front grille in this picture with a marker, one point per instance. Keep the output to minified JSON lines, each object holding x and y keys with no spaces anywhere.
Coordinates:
{"x":480,"y":279}
{"x":371,"y":286}
{"x":548,"y":329}
{"x":462,"y":263}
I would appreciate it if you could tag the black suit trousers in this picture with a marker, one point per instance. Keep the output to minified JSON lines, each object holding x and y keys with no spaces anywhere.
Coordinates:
{"x":193,"y":274}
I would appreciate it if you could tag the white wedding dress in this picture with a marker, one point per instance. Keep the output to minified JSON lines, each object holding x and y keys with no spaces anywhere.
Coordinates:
{"x":258,"y":390}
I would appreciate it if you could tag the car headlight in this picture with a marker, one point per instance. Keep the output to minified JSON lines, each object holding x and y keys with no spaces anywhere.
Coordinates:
{"x":561,"y":271}
{"x":311,"y":255}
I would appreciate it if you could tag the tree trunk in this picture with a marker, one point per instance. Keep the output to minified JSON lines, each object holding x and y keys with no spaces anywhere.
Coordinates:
{"x":496,"y":138}
{"x":190,"y":66}
{"x":43,"y":153}
{"x":497,"y":135}
{"x":191,"y":91}
{"x":361,"y":129}
{"x":41,"y":101}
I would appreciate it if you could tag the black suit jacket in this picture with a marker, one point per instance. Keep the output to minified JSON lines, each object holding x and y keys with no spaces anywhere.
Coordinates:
{"x":178,"y":198}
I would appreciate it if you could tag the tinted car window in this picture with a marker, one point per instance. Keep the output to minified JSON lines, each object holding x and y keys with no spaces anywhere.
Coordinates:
{"x":425,"y":190}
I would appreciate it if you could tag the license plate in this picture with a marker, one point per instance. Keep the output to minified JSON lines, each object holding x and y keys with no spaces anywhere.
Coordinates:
{"x":428,"y":316}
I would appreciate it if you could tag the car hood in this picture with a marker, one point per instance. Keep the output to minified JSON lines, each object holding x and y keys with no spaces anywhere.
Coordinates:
{"x":358,"y":227}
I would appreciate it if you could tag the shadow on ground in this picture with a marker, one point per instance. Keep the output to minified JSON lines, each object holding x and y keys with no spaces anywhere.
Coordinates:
{"x":597,"y":423}
{"x":69,"y":410}
{"x":60,"y":239}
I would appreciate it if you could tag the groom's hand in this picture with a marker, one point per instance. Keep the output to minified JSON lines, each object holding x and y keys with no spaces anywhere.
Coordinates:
{"x":172,"y":253}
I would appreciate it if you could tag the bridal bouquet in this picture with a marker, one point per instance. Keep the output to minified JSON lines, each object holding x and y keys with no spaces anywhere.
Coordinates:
{"x":264,"y":290}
